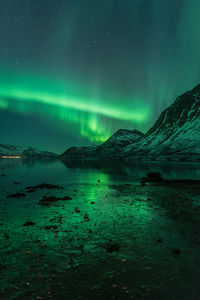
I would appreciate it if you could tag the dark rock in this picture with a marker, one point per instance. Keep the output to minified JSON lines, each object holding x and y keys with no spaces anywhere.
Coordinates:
{"x":48,"y":227}
{"x":66,"y":198}
{"x":51,"y":227}
{"x":16,"y":195}
{"x":86,"y":217}
{"x":29,"y":223}
{"x":154,"y":176}
{"x":43,"y":186}
{"x":46,"y":200}
{"x":176,"y":251}
{"x":6,"y":235}
{"x":2,"y":266}
{"x":112,"y":248}
{"x":143,"y":180}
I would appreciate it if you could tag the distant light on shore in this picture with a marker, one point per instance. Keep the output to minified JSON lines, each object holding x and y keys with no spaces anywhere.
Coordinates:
{"x":10,"y":156}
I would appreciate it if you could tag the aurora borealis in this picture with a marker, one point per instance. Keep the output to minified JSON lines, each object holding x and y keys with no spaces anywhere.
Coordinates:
{"x":73,"y":72}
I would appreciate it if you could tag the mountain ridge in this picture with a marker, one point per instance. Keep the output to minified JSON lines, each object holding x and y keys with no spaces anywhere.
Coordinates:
{"x":175,"y":132}
{"x":25,"y":152}
{"x":120,"y":139}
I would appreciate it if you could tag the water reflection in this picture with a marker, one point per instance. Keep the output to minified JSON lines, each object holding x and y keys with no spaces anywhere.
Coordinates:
{"x":56,"y":171}
{"x":135,"y":170}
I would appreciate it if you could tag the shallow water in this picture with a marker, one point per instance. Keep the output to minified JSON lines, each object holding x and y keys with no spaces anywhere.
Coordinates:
{"x":115,"y":239}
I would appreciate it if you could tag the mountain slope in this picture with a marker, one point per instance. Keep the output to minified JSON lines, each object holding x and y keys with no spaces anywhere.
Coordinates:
{"x":79,"y":153}
{"x":115,"y":144}
{"x":177,"y":130}
{"x":118,"y":142}
{"x":123,"y":137}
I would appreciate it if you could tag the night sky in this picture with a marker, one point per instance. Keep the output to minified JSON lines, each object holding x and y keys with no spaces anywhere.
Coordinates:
{"x":74,"y":71}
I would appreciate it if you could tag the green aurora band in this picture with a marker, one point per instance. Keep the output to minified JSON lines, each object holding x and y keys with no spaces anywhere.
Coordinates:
{"x":84,"y":69}
{"x":28,"y":95}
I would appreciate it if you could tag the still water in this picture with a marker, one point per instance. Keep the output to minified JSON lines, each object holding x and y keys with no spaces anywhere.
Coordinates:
{"x":58,"y":172}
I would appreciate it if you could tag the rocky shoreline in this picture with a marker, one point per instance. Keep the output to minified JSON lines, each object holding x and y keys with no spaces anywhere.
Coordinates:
{"x":117,"y":241}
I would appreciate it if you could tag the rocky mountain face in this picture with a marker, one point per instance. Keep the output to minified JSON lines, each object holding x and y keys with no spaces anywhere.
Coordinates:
{"x":118,"y":142}
{"x":10,"y":150}
{"x":115,"y":144}
{"x":79,"y":153}
{"x":175,"y":133}
{"x":122,"y":138}
{"x":177,"y":130}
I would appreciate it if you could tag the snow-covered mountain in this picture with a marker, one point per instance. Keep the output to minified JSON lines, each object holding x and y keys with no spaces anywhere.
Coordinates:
{"x":115,"y":144}
{"x":122,"y":138}
{"x":10,"y":150}
{"x":118,"y":142}
{"x":32,"y":152}
{"x":176,"y":133}
{"x":177,"y":130}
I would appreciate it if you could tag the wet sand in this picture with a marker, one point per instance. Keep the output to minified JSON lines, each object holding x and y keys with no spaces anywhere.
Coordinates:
{"x":109,"y":241}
